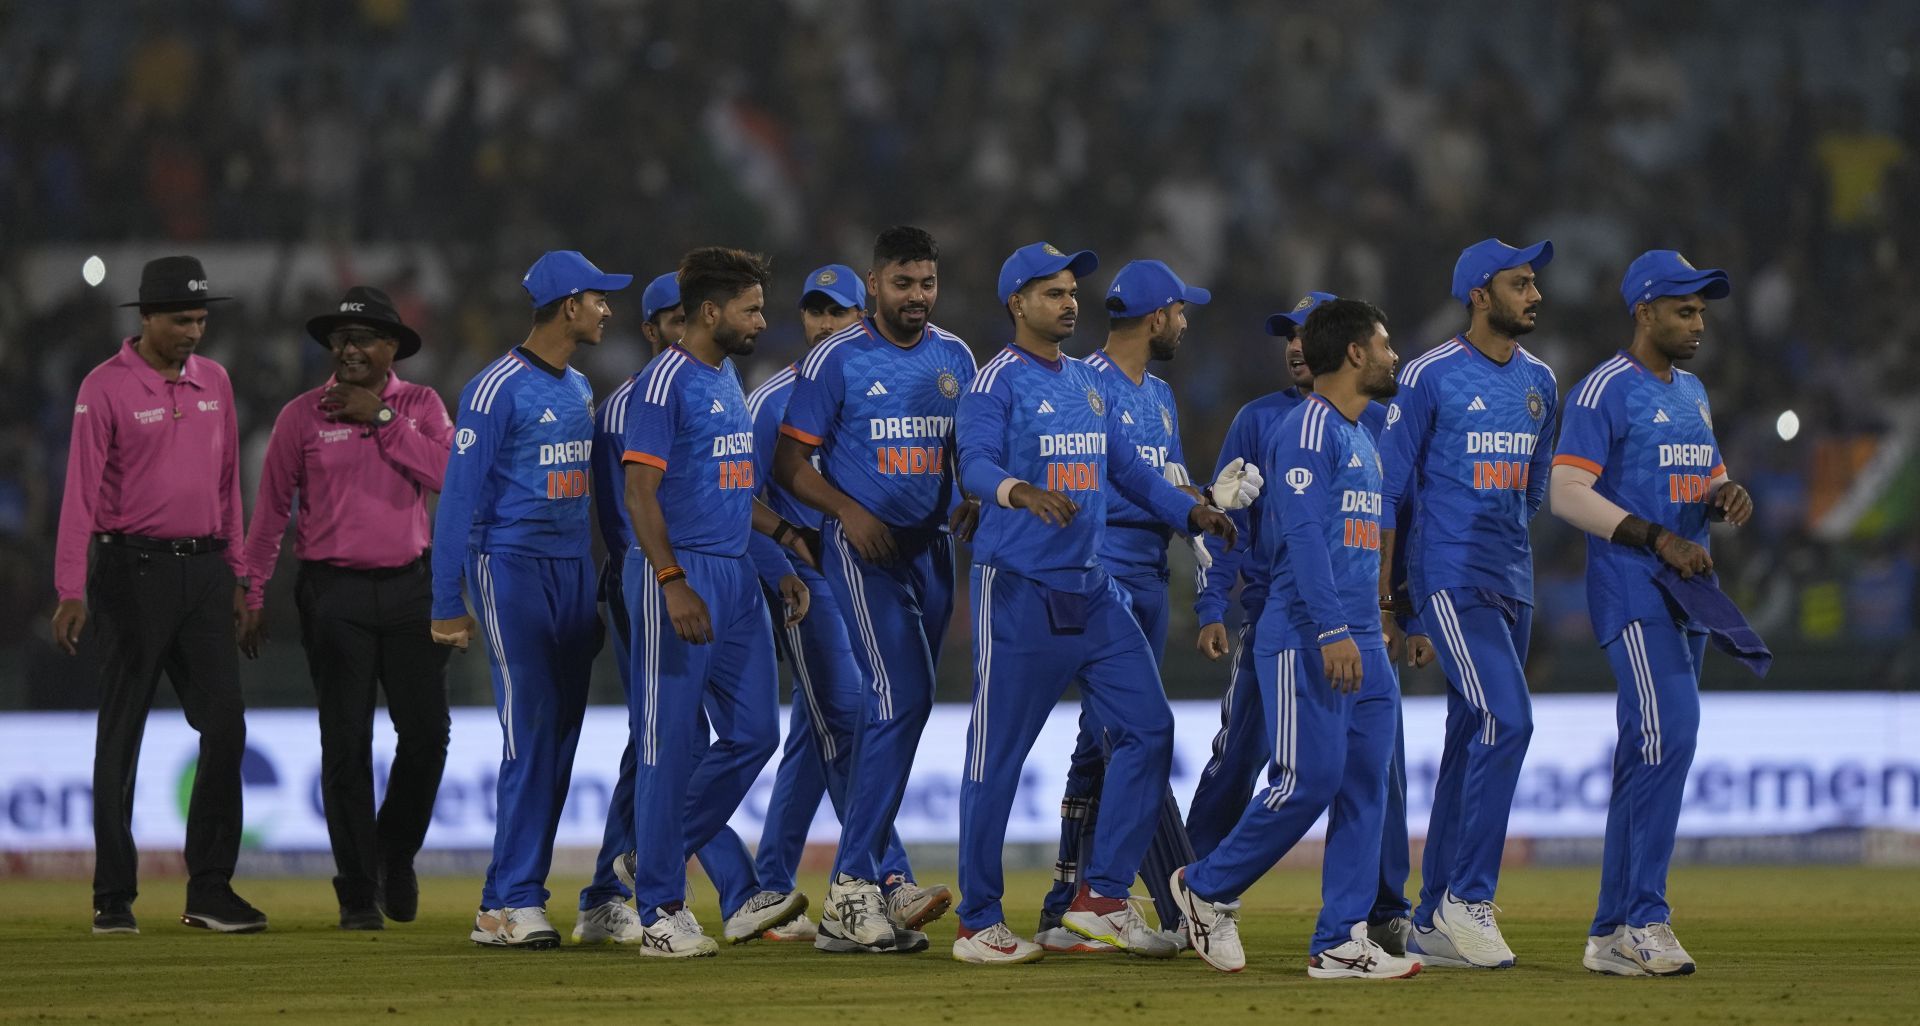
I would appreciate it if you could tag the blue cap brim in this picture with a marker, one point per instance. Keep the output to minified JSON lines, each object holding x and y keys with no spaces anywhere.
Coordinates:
{"x":1197,"y":295}
{"x":610,"y":283}
{"x":1708,"y":284}
{"x":1282,"y":324}
{"x":1540,"y":254}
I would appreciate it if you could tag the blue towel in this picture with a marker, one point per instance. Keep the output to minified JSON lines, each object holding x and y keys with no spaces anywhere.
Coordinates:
{"x":1699,"y":597}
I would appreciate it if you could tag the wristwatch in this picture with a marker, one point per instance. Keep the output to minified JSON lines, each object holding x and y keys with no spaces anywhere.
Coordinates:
{"x":384,"y":417}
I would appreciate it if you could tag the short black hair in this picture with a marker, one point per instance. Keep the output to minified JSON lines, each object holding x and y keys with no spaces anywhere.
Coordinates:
{"x":718,"y":273}
{"x":1117,"y":320}
{"x":1332,"y":327}
{"x":904,"y":244}
{"x":546,"y":314}
{"x":659,"y":315}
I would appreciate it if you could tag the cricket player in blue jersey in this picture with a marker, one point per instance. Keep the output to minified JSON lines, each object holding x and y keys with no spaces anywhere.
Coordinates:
{"x":1241,"y":748}
{"x":829,"y":693}
{"x":1638,"y":469}
{"x":877,"y":402}
{"x":1147,"y":319}
{"x":514,"y":524}
{"x":1469,"y":439}
{"x":701,"y":635}
{"x":1035,"y":433}
{"x":1327,"y":686}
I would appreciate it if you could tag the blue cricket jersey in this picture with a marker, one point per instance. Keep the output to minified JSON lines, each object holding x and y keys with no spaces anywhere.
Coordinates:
{"x":690,"y":420}
{"x":517,"y":480}
{"x":767,"y":405}
{"x":882,"y":418}
{"x":1651,"y":443}
{"x":1471,"y":440}
{"x":1136,"y":540}
{"x":609,"y":472}
{"x":1323,"y":526}
{"x":1052,"y":425}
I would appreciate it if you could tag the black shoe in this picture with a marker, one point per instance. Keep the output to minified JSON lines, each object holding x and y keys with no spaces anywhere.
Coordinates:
{"x":361,"y":917}
{"x":115,"y":918}
{"x":223,"y":911}
{"x":398,"y":892}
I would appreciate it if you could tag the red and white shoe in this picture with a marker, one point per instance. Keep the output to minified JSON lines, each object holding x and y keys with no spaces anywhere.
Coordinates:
{"x":1116,"y":922}
{"x":995,"y":945}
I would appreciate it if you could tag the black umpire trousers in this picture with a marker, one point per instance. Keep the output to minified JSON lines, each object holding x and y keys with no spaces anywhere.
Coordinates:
{"x":153,"y":612}
{"x":364,"y":629}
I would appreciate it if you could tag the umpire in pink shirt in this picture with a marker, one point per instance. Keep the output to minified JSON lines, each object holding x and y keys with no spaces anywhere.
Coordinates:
{"x":360,"y":453}
{"x":154,"y":489}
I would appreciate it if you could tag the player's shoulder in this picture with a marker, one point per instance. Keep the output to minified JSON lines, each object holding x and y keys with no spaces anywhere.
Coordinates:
{"x":949,"y":341}
{"x":658,"y":379}
{"x":1306,"y":426}
{"x":484,"y":391}
{"x":1433,"y":363}
{"x":837,"y":347}
{"x":997,"y":373}
{"x":611,"y":413}
{"x":781,"y":381}
{"x":1604,"y":383}
{"x":1539,"y":366}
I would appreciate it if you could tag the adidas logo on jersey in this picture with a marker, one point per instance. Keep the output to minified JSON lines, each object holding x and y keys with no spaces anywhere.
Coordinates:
{"x":548,"y":418}
{"x":717,"y":408}
{"x":877,"y":389}
{"x":1476,"y":405}
{"x":1353,"y":460}
{"x":1045,"y":407}
{"x":1660,"y":417}
{"x":1126,"y":417}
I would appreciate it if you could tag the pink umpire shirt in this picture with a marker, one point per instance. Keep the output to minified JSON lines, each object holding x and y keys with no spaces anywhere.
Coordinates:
{"x":362,"y":489}
{"x":150,"y":457}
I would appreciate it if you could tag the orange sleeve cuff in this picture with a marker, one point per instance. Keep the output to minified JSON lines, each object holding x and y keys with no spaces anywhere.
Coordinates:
{"x":1587,"y":465}
{"x":795,"y":433}
{"x":636,"y":456}
{"x":1719,"y":470}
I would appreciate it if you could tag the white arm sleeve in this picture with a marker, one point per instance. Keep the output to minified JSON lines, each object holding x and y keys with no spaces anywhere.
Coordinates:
{"x":1574,"y":501}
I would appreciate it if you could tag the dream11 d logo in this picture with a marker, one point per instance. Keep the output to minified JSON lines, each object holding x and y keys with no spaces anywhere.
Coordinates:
{"x":257,"y":776}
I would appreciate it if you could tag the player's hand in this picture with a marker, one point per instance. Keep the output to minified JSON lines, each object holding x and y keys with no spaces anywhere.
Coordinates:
{"x":1238,"y":484}
{"x":251,"y":631}
{"x":1053,"y":507}
{"x":1342,"y":659}
{"x":966,"y":517}
{"x":69,"y":617}
{"x":351,"y":403}
{"x":1682,"y":555}
{"x":688,"y":611}
{"x":242,"y":616}
{"x":872,"y":539}
{"x":1419,"y":650}
{"x":804,"y":543}
{"x":457,"y":632}
{"x":1212,"y":642}
{"x":795,"y":596}
{"x":1206,"y":518}
{"x":1396,"y":638}
{"x":1731,"y":503}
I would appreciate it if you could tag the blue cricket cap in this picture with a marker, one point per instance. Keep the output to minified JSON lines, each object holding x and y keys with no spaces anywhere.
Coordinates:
{"x":1479,"y":262}
{"x":1664,"y":272}
{"x":1286,"y":324}
{"x":1042,"y":260}
{"x":1144,"y":286}
{"x":564,"y":272}
{"x":837,"y":282}
{"x":663,"y":293}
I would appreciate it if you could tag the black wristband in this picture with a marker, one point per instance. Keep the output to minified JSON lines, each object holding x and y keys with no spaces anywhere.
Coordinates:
{"x":1637,"y":531}
{"x":786,"y":528}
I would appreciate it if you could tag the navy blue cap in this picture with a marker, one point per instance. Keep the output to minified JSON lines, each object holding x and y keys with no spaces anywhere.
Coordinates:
{"x":837,"y":282}
{"x":1479,"y":262}
{"x":663,"y":293}
{"x":1285,"y":324}
{"x":564,"y":272}
{"x":1144,"y":286}
{"x":1042,"y":260}
{"x":1664,"y":272}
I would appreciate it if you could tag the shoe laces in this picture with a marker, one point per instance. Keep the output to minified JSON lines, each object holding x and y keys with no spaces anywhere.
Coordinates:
{"x":618,"y":913}
{"x":1661,"y":935}
{"x":1481,"y":912}
{"x":519,"y":916}
{"x":684,"y":922}
{"x":998,"y":935}
{"x":1226,"y":921}
{"x":858,"y":899}
{"x":764,"y":900}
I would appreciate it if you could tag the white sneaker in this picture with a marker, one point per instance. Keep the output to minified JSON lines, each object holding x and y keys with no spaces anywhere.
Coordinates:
{"x":624,"y":868}
{"x":514,"y":928}
{"x":1391,"y":935}
{"x":1607,"y":954}
{"x":1061,"y":940}
{"x":612,"y":920}
{"x":1470,"y":926}
{"x":1433,"y":950}
{"x":761,"y":913}
{"x":912,"y":906}
{"x":677,"y":935}
{"x":1115,"y":921}
{"x":995,"y":945}
{"x":1656,"y":950}
{"x":1360,"y":959}
{"x":1213,"y":927}
{"x":799,"y":928}
{"x":855,"y":914}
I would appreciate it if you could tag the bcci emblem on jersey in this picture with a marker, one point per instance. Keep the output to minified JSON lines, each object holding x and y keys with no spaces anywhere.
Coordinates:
{"x":948,"y":384}
{"x":1098,"y":404}
{"x":1705,"y":416}
{"x":1536,"y":406}
{"x":1166,"y":419}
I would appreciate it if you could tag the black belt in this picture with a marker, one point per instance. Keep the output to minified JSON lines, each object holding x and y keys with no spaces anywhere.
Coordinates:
{"x":378,"y":573}
{"x":176,"y":546}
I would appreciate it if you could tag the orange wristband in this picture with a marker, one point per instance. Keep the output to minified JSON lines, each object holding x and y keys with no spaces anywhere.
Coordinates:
{"x":668,"y":575}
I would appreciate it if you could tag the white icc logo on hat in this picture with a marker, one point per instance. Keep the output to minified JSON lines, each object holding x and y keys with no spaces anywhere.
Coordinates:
{"x":199,"y":285}
{"x":353,"y":307}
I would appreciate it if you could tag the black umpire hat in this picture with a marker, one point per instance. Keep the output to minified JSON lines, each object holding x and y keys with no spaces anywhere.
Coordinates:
{"x":174,"y":283}
{"x":364,"y":304}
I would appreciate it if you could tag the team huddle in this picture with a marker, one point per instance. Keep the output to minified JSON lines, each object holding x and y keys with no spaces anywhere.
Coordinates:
{"x":1369,"y":512}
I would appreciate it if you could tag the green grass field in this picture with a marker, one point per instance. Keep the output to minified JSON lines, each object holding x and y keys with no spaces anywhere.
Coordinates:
{"x":1775,"y":945}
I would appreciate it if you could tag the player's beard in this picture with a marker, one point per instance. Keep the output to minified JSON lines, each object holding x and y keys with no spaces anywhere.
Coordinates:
{"x":733,"y":341}
{"x":1508,"y":324}
{"x":1379,"y":382}
{"x":899,"y":321}
{"x":1163,"y":348}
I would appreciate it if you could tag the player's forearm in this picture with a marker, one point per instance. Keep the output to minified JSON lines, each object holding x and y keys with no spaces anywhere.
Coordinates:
{"x":1576,"y":502}
{"x":794,"y":470}
{"x":1312,"y":571}
{"x":1138,"y":482}
{"x":1388,"y":538}
{"x":650,"y":527}
{"x":452,"y":528}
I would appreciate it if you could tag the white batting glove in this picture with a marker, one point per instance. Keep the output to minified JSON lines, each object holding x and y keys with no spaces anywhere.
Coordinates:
{"x":1203,"y":560}
{"x":1237,"y":486}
